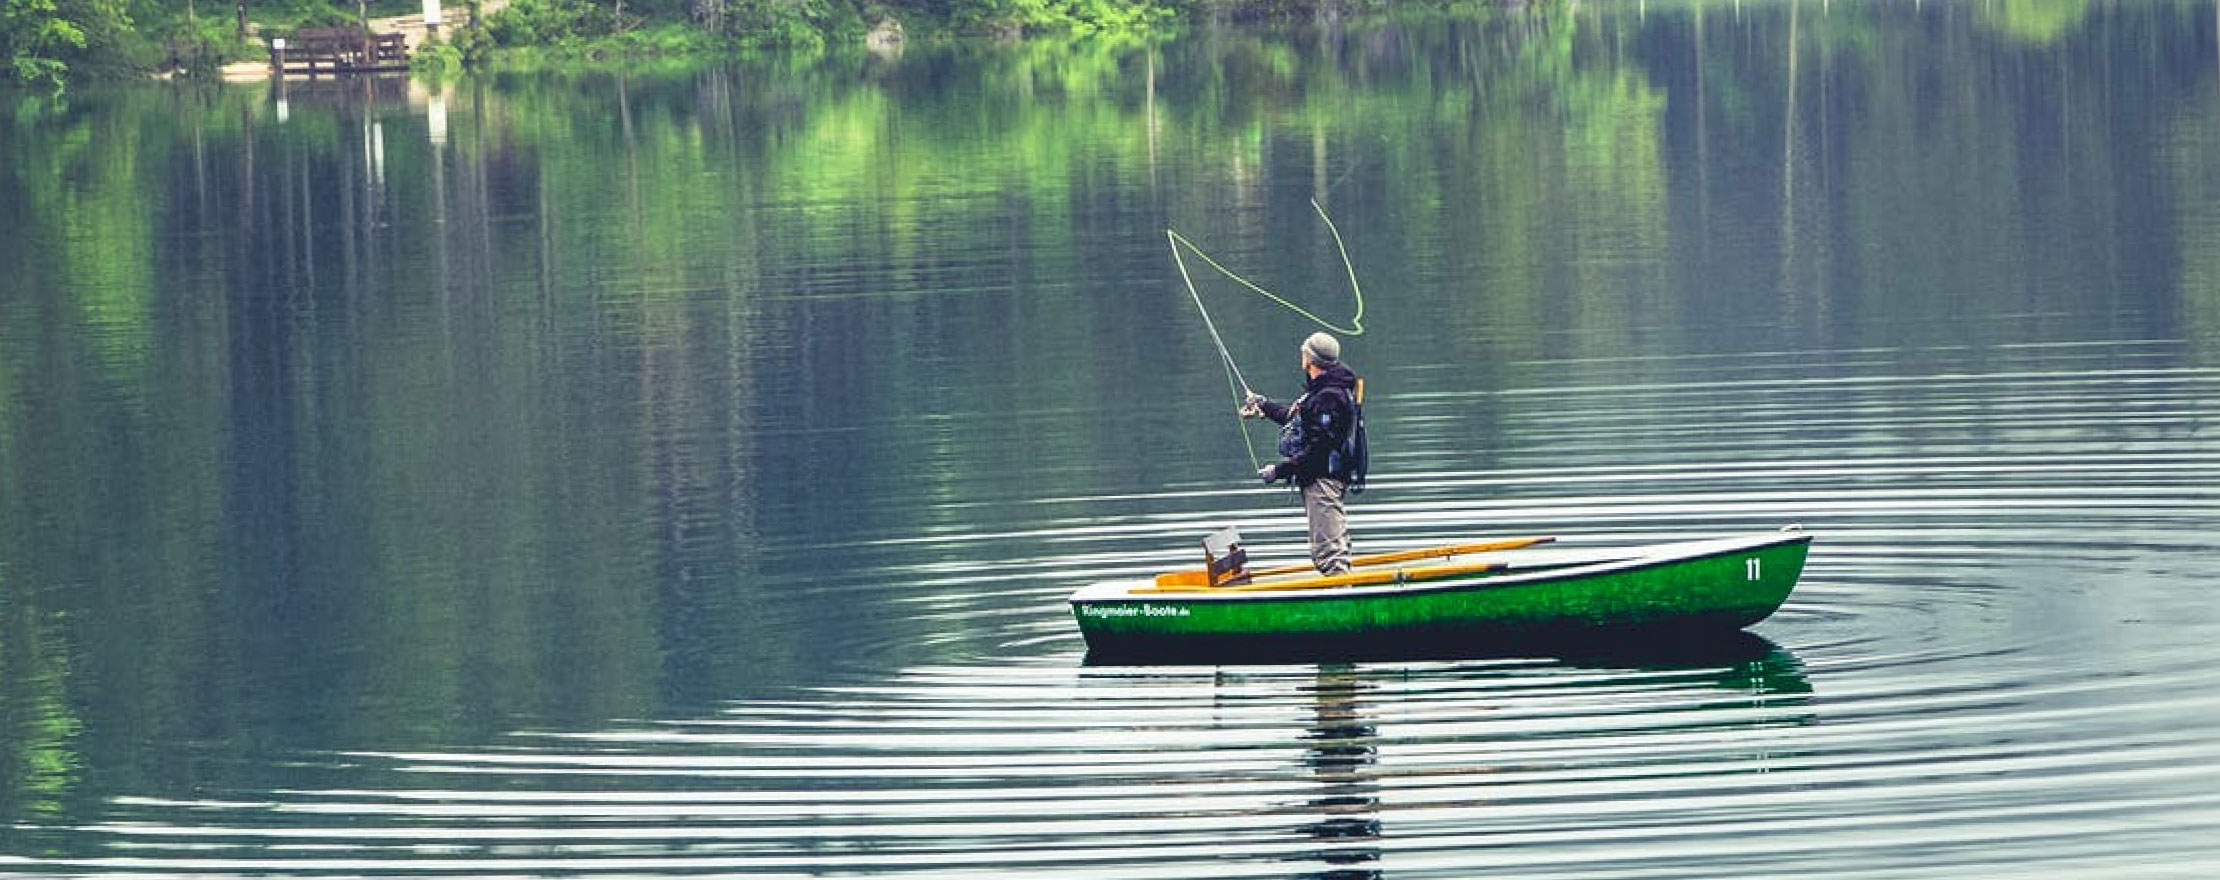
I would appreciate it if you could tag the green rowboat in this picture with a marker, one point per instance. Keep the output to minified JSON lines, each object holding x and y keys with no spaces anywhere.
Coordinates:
{"x":1466,"y":598}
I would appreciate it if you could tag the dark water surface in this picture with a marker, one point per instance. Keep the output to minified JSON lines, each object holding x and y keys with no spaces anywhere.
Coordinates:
{"x":680,"y":474}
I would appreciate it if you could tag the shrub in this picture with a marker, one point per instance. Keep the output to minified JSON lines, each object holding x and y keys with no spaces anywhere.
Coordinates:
{"x":536,"y":22}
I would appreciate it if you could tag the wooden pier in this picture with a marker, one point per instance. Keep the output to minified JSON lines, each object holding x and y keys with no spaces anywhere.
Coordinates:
{"x":339,"y":51}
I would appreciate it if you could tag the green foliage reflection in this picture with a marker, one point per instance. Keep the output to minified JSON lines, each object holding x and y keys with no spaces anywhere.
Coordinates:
{"x":2035,"y":21}
{"x":413,"y":432}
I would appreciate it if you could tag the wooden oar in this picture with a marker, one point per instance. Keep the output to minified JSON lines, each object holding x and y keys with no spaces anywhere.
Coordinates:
{"x":1195,"y":577}
{"x":1353,"y":579}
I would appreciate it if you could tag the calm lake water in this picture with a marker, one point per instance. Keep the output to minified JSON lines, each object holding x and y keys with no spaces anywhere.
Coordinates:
{"x":681,"y":473}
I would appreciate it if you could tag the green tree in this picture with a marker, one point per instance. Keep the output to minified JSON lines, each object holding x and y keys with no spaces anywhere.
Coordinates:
{"x":35,"y":36}
{"x":41,"y":38}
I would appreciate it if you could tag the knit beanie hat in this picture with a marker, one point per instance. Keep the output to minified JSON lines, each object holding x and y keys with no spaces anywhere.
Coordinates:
{"x":1322,"y":349}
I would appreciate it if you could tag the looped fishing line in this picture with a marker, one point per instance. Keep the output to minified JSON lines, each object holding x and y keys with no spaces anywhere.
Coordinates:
{"x":1241,"y":390}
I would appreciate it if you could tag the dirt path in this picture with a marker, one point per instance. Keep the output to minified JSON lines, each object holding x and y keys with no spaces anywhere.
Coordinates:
{"x":449,"y":16}
{"x":412,"y":26}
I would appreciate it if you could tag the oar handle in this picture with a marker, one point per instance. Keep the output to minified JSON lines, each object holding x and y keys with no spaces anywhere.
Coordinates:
{"x":1195,"y":577}
{"x":1352,"y":579}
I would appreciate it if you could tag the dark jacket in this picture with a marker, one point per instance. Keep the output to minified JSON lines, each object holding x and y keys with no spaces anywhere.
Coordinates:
{"x":1328,"y":411}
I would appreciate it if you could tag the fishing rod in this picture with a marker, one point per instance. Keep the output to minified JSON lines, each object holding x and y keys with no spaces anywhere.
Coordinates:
{"x":1239,"y":384}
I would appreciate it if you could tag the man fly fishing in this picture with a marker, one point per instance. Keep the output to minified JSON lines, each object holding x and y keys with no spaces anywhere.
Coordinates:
{"x":1321,"y":442}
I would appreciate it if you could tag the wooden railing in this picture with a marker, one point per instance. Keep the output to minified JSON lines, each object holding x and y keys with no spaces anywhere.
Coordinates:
{"x":338,"y":51}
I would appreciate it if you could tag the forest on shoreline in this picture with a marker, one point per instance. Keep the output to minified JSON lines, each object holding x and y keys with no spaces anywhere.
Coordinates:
{"x":50,"y":43}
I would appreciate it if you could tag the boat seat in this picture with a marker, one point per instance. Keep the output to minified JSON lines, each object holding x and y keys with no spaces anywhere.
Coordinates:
{"x":1225,"y":561}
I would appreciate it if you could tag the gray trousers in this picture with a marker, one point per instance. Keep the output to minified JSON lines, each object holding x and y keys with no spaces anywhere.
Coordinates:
{"x":1329,"y":525}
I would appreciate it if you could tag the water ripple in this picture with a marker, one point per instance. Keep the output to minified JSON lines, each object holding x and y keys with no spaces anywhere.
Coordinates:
{"x":1967,"y":679}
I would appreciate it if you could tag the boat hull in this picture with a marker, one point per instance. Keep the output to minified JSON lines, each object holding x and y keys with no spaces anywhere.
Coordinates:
{"x":1666,"y":591}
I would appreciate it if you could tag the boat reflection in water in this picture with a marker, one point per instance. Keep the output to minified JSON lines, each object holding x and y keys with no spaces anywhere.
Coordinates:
{"x":1341,"y":751}
{"x":1444,"y":747}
